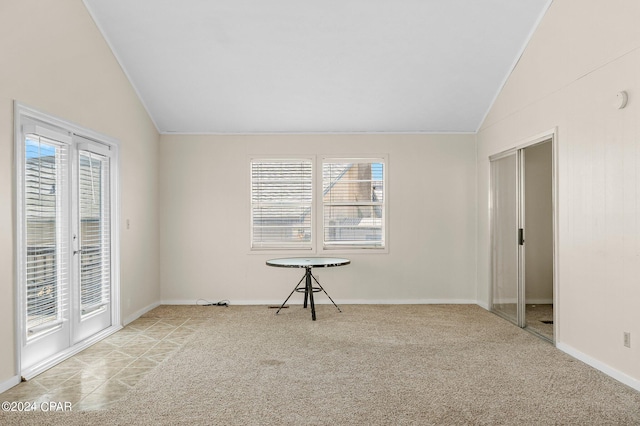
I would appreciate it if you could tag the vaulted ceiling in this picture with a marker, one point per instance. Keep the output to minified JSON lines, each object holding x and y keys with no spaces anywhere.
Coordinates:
{"x":256,"y":66}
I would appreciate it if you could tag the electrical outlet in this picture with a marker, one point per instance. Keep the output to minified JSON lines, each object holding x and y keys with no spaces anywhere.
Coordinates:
{"x":627,"y":339}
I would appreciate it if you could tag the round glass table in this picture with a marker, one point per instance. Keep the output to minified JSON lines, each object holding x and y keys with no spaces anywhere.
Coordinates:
{"x":308,"y":288}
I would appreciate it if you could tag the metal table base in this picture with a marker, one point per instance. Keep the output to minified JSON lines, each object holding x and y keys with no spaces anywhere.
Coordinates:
{"x":308,"y":290}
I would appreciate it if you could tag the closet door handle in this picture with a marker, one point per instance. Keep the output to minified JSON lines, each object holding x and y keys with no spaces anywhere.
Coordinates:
{"x":521,"y":236}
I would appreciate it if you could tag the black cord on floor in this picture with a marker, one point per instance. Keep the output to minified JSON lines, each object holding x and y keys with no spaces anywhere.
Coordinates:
{"x":204,"y":302}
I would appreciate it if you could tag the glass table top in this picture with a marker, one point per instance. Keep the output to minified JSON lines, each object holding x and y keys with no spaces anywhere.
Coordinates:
{"x":308,"y":262}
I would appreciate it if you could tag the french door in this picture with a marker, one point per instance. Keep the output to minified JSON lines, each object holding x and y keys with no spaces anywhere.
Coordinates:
{"x":66,"y":266}
{"x":91,"y":239}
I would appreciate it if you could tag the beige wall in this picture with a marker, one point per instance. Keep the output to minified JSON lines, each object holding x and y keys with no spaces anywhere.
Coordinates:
{"x":582,"y":54}
{"x":205,"y":222}
{"x":55,"y":60}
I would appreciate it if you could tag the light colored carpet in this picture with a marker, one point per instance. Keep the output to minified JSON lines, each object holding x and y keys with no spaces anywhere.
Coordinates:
{"x":388,"y":365}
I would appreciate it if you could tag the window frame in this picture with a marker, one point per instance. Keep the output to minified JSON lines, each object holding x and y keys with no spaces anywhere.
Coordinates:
{"x":283,"y":247}
{"x":350,"y":247}
{"x":316,"y":245}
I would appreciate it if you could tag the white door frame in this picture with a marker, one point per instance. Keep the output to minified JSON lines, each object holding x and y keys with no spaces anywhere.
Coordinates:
{"x":21,"y":113}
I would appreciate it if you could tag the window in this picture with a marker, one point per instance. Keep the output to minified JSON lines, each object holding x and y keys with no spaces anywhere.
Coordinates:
{"x":353,"y":203}
{"x":281,"y":203}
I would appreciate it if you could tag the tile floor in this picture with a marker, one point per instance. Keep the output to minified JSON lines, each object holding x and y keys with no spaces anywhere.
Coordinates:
{"x":102,"y":374}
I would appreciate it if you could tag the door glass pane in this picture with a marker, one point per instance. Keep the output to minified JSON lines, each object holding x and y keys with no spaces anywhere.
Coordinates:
{"x":45,"y":234}
{"x":505,"y":237}
{"x":94,"y":232}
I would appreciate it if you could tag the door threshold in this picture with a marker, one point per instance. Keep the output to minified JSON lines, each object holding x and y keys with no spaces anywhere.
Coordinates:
{"x":31,"y":372}
{"x":540,"y":335}
{"x":525,"y":328}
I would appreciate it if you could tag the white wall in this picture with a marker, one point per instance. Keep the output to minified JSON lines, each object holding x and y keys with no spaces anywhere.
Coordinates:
{"x":205,"y":223}
{"x":54,"y":59}
{"x":582,"y":54}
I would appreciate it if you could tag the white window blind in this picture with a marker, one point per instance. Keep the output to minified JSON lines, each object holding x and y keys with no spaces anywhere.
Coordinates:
{"x":281,"y":203}
{"x":95,"y":231}
{"x":353,"y":203}
{"x":46,"y":232}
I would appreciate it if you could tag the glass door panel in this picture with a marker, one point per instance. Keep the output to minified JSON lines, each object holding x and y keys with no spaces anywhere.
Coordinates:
{"x":93,"y":245}
{"x":504,"y":208}
{"x":45,"y":249}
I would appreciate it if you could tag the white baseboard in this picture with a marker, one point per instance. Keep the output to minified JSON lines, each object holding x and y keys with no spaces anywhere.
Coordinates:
{"x":483,"y":305}
{"x":324,"y":301}
{"x":599,"y":365}
{"x":505,"y":301}
{"x":190,"y":301}
{"x":512,"y":301}
{"x":137,"y":314}
{"x":403,"y":302}
{"x":8,"y":384}
{"x":539,"y":301}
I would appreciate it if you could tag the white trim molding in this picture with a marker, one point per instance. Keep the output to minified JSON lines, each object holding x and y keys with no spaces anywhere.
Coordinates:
{"x":140,"y":312}
{"x":8,"y":384}
{"x":599,"y":365}
{"x":324,"y":301}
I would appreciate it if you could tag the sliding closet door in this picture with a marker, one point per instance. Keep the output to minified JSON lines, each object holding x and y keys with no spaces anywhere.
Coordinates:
{"x":522,"y":236}
{"x":504,"y":223}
